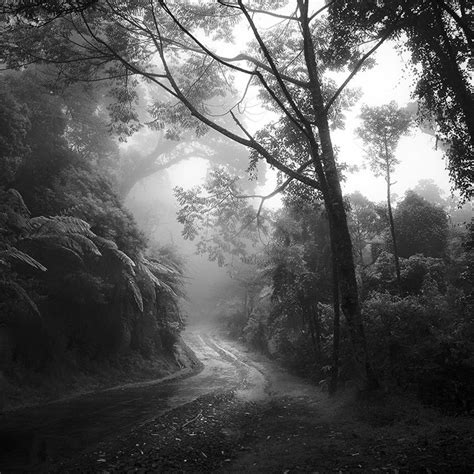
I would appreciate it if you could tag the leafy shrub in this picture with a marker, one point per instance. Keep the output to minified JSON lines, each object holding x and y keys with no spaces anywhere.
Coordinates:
{"x":412,"y":344}
{"x":414,"y":270}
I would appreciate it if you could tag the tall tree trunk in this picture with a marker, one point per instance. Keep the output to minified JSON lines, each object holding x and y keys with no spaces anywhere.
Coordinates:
{"x":336,"y":328}
{"x":392,"y":233}
{"x":348,"y":290}
{"x":341,"y":245}
{"x":314,"y":333}
{"x":328,"y":177}
{"x":451,"y":70}
{"x":394,"y":241}
{"x":317,"y":330}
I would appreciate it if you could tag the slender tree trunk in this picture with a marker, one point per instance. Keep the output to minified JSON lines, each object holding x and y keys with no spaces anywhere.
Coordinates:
{"x":336,"y":328}
{"x":392,"y":232}
{"x":313,"y":335}
{"x":315,"y":332}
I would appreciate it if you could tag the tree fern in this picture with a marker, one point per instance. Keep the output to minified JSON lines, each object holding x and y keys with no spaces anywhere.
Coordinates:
{"x":61,"y":225}
{"x":104,"y":244}
{"x":14,"y":200}
{"x":12,"y":253}
{"x":136,"y":293}
{"x":127,"y":262}
{"x":17,"y":291}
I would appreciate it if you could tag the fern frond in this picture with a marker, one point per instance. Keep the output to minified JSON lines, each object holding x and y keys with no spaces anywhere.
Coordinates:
{"x":159,"y":267}
{"x":16,"y":202}
{"x":12,"y":253}
{"x":105,"y":244}
{"x":58,"y":242}
{"x":73,"y":225}
{"x":87,"y":244}
{"x":167,"y":289}
{"x":137,"y":295}
{"x":21,"y":294}
{"x":127,"y":262}
{"x":156,"y":281}
{"x":61,"y":225}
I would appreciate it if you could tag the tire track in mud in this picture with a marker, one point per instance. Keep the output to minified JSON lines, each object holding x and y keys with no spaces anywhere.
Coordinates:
{"x":254,"y":383}
{"x":35,"y":435}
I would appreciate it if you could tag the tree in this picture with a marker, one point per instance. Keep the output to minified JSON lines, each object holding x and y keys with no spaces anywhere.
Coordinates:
{"x":164,"y":44}
{"x":429,"y":190}
{"x":422,"y":227}
{"x":439,"y":37}
{"x":365,"y":222}
{"x":381,"y":130}
{"x":171,"y":149}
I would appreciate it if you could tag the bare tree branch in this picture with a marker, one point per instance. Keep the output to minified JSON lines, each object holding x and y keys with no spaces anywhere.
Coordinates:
{"x":315,"y":14}
{"x":228,"y":63}
{"x":248,"y":142}
{"x":274,"y":69}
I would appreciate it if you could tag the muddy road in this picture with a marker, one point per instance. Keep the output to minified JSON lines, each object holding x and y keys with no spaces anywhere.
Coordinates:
{"x":37,"y":436}
{"x":239,"y":413}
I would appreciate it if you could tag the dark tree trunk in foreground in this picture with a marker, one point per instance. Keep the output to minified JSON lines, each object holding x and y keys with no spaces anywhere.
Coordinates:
{"x":328,"y":176}
{"x":336,"y":328}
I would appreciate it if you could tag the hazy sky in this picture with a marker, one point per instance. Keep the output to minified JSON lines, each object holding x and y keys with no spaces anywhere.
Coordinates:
{"x":388,"y":80}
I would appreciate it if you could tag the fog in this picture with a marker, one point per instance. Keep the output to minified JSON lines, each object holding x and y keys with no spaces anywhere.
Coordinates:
{"x":154,"y":207}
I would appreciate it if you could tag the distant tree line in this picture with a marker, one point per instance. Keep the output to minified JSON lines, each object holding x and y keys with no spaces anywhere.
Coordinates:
{"x":419,"y":327}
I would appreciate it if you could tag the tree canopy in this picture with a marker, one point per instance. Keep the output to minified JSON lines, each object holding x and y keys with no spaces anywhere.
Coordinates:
{"x":438,"y":35}
{"x":422,"y":227}
{"x":188,"y":50}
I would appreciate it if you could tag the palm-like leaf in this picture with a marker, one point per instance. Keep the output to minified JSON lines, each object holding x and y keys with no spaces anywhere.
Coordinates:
{"x":15,"y":202}
{"x":87,"y":244}
{"x":19,"y":292}
{"x":164,"y":276}
{"x":62,"y":243}
{"x":137,"y":295}
{"x":167,"y":288}
{"x":12,"y":253}
{"x":156,"y":281}
{"x":60,"y":224}
{"x":127,"y":262}
{"x":104,"y":244}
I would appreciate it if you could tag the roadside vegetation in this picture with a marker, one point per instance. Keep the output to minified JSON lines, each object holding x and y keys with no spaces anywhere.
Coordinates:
{"x":343,"y":290}
{"x":85,"y":300}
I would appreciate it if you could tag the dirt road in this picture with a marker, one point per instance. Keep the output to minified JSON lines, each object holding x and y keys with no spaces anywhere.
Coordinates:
{"x":32,"y":437}
{"x":240,"y":413}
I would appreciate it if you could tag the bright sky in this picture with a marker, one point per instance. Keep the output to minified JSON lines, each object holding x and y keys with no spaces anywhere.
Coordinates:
{"x":388,"y":80}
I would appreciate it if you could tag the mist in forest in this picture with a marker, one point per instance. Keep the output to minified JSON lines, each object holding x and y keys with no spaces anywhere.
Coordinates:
{"x":154,"y":207}
{"x":236,"y":236}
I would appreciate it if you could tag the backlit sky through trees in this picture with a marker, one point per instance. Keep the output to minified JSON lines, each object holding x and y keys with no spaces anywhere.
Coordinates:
{"x":388,"y":80}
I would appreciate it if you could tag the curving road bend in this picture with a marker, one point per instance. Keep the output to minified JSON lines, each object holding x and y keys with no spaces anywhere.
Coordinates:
{"x":32,"y":437}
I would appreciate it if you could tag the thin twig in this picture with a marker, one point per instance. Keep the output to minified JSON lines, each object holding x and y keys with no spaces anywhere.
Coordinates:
{"x":192,"y":419}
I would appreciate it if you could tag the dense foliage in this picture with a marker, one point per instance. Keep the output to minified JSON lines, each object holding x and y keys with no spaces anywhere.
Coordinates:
{"x":438,"y":37}
{"x":421,"y":227}
{"x":77,"y":281}
{"x":419,"y":336}
{"x":162,"y":44}
{"x":76,"y":248}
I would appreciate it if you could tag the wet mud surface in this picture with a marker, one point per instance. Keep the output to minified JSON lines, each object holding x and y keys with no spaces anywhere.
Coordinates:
{"x":240,"y":413}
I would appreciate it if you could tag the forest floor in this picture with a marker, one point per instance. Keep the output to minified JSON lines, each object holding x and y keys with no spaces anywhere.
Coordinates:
{"x":25,"y":388}
{"x":270,"y":421}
